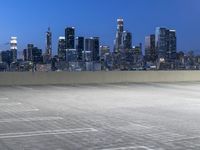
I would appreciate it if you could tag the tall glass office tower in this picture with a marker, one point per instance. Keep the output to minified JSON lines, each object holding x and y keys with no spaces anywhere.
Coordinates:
{"x":49,"y":43}
{"x":80,"y":47}
{"x":13,"y":48}
{"x":119,"y":34}
{"x":165,"y":41}
{"x":61,"y":48}
{"x":126,"y":43}
{"x":92,"y":44}
{"x":150,"y":49}
{"x":70,"y":37}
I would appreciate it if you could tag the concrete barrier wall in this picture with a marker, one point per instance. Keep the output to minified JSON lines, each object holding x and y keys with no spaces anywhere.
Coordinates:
{"x":64,"y":78}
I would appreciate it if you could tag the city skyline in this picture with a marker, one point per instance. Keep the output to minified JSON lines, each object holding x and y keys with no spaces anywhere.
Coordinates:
{"x":98,"y":23}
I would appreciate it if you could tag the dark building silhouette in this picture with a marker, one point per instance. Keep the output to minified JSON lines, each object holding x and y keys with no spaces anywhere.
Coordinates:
{"x":61,"y":48}
{"x":92,"y":44}
{"x":30,"y":52}
{"x":33,"y":54}
{"x":119,"y":33}
{"x":49,"y":43}
{"x":165,"y":41}
{"x":150,"y":48}
{"x":172,"y":50}
{"x":70,"y":37}
{"x":7,"y":57}
{"x":80,"y":43}
{"x":126,"y":40}
{"x":13,"y":48}
{"x":37,"y":55}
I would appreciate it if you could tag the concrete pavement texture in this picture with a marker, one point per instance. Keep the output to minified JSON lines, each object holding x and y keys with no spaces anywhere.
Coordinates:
{"x":152,"y":116}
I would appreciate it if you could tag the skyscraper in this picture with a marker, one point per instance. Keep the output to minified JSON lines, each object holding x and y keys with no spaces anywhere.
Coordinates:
{"x":96,"y":53}
{"x":49,"y":43}
{"x":37,"y":55}
{"x":62,"y":48}
{"x":165,"y":41}
{"x":92,"y":44}
{"x":161,"y":41}
{"x":6,"y":57}
{"x":118,"y":39}
{"x":150,"y":49}
{"x":120,"y":25}
{"x":80,"y":47}
{"x":13,"y":48}
{"x":88,"y":44}
{"x":33,"y":54}
{"x":30,"y":52}
{"x":172,"y":51}
{"x":126,"y":43}
{"x":70,"y":37}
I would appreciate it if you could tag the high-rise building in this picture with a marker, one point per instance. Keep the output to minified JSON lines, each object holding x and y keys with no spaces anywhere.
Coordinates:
{"x":172,"y":51}
{"x":119,"y":33}
{"x":49,"y":43}
{"x":92,"y":44}
{"x":150,"y":49}
{"x":161,"y":41}
{"x":25,"y":54}
{"x":13,"y":48}
{"x":62,"y":48}
{"x":71,"y":55}
{"x":165,"y":41}
{"x":80,"y":47}
{"x":137,"y":55}
{"x":6,"y":57}
{"x":137,"y":50}
{"x":96,"y":53}
{"x":104,"y":49}
{"x":120,"y":25}
{"x":70,"y":37}
{"x":30,"y":52}
{"x":33,"y":54}
{"x":37,"y":55}
{"x":88,"y":44}
{"x":126,"y":43}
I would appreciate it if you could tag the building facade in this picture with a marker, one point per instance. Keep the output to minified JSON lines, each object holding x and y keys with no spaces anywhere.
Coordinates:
{"x":126,"y":43}
{"x":70,"y":37}
{"x":80,"y":44}
{"x":62,"y":48}
{"x":49,"y":43}
{"x":93,"y":44}
{"x":150,"y":48}
{"x":13,"y":48}
{"x":165,"y":41}
{"x":119,"y":33}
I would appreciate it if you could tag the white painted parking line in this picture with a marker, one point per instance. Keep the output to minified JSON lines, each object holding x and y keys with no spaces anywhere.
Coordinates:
{"x":30,"y":119}
{"x":47,"y":132}
{"x":129,"y":148}
{"x":24,"y":88}
{"x":9,"y":104}
{"x":18,"y":110}
{"x":117,"y":86}
{"x":142,"y":126}
{"x":183,"y":139}
{"x":4,"y":98}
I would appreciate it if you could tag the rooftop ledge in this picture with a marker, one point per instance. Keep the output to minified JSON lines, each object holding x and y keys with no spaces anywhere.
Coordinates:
{"x":68,"y":78}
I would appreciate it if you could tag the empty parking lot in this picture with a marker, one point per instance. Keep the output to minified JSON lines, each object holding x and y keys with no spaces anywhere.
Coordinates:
{"x":154,"y":116}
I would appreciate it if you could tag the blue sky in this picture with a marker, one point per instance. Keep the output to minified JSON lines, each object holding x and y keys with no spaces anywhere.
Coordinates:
{"x":29,"y":19}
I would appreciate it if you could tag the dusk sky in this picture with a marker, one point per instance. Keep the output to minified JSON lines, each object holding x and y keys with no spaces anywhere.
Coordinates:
{"x":29,"y":19}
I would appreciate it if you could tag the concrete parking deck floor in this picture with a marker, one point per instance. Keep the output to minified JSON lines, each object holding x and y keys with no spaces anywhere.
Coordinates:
{"x":101,"y":117}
